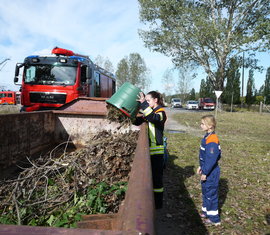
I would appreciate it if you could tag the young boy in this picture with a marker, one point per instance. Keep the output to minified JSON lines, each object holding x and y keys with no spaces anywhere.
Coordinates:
{"x":209,"y":170}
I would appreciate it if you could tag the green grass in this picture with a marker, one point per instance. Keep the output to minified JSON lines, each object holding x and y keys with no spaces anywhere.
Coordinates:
{"x":245,"y":169}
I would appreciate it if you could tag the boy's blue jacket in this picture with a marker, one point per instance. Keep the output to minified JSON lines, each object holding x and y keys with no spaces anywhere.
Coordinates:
{"x":210,"y":153}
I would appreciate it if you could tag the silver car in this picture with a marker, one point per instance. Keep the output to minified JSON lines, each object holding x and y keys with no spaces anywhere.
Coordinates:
{"x":192,"y":104}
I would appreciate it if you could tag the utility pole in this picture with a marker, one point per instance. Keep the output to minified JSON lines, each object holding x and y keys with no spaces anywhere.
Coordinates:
{"x":242,"y":102}
{"x":218,"y":94}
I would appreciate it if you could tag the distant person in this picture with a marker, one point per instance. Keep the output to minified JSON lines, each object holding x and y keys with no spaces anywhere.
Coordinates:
{"x":209,"y":171}
{"x":154,"y":114}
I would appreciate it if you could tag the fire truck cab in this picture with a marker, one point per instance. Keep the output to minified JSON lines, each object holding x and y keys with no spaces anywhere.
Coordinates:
{"x":207,"y":103}
{"x":48,"y":82}
{"x":8,"y":97}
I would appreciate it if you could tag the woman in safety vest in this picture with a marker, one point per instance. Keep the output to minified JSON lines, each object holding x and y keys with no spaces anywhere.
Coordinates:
{"x":154,"y":114}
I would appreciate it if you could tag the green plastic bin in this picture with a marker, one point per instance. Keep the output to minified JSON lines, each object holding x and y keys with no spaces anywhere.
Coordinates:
{"x":125,"y":99}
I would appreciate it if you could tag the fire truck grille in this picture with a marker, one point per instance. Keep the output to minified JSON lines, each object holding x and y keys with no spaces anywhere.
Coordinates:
{"x":47,"y":97}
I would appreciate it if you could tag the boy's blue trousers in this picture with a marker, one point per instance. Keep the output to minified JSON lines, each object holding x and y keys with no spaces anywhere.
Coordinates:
{"x":210,"y":195}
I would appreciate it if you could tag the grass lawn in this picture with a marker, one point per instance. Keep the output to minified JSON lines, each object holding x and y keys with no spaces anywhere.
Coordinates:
{"x":245,"y":169}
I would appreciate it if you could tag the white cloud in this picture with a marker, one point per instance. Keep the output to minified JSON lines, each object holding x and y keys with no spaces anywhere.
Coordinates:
{"x":96,"y":27}
{"x":107,"y":28}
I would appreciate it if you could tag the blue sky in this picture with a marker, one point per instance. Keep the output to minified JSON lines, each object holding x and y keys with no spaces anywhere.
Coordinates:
{"x":96,"y":27}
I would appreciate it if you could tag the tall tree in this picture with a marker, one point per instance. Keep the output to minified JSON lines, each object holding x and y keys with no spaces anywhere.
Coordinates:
{"x":134,"y":70}
{"x":138,"y":72}
{"x":209,"y":88}
{"x":192,"y":94}
{"x":250,"y":96}
{"x":203,"y":89}
{"x":232,"y":90}
{"x":99,"y":60}
{"x":206,"y":32}
{"x":104,"y":63}
{"x":185,"y":76}
{"x":267,"y":87}
{"x":122,"y":72}
{"x":261,"y":91}
{"x":206,"y":89}
{"x":168,"y":81}
{"x":108,"y":65}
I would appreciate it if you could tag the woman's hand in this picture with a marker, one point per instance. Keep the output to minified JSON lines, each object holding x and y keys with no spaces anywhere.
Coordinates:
{"x":141,"y":97}
{"x":203,"y":177}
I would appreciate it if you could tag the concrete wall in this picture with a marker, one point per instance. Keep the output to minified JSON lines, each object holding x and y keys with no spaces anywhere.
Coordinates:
{"x":24,"y":134}
{"x":79,"y":129}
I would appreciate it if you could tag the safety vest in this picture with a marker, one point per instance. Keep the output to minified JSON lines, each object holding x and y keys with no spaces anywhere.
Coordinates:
{"x":155,"y":129}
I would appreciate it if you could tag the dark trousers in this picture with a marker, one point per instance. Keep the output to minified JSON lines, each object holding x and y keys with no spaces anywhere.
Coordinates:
{"x":157,"y":175}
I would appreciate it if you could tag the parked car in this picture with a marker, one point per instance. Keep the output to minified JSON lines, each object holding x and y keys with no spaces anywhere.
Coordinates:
{"x":192,"y":104}
{"x":176,"y":103}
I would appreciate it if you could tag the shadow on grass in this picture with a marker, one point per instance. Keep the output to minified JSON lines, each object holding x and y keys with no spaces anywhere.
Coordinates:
{"x":179,"y":215}
{"x":267,"y":218}
{"x":223,"y":191}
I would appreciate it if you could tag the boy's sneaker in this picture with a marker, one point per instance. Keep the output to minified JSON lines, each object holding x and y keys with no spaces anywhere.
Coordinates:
{"x":203,"y":216}
{"x":208,"y":222}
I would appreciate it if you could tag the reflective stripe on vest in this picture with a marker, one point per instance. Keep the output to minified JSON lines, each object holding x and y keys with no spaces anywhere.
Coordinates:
{"x":152,"y":133}
{"x":158,"y":190}
{"x":161,"y":116}
{"x":147,"y":111}
{"x":159,"y":149}
{"x":154,"y":149}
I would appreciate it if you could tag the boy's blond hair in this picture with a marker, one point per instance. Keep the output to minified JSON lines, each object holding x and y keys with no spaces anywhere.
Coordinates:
{"x":210,"y":121}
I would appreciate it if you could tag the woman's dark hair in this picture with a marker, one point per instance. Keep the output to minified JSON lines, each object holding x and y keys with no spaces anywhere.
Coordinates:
{"x":155,"y":94}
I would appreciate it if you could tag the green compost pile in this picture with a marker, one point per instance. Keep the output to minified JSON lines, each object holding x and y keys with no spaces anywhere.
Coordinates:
{"x":58,"y":188}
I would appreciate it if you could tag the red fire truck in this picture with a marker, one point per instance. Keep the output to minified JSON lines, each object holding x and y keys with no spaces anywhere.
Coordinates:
{"x":48,"y":82}
{"x":8,"y":97}
{"x":207,"y":103}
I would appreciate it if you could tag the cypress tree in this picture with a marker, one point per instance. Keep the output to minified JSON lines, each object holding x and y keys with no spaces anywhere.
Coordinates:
{"x":210,"y":89}
{"x":266,"y":92}
{"x":202,"y":89}
{"x":233,"y":84}
{"x":192,"y":95}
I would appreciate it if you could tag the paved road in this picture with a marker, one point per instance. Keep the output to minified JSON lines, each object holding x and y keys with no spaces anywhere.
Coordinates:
{"x":172,"y":125}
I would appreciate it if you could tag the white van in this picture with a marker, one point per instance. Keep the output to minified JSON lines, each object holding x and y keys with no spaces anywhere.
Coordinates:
{"x":176,"y":103}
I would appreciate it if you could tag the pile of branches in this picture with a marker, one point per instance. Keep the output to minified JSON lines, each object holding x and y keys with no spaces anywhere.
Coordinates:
{"x":53,"y":182}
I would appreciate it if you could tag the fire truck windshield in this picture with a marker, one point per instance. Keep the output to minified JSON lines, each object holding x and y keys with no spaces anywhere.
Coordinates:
{"x":208,"y":100}
{"x":49,"y":74}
